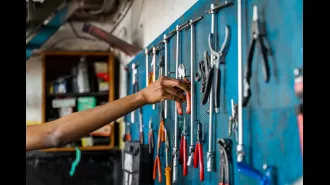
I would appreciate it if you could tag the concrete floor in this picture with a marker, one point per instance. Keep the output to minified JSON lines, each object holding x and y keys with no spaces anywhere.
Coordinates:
{"x":143,"y":23}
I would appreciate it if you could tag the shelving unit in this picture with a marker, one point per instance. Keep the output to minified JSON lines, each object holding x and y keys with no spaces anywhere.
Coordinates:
{"x":60,"y":63}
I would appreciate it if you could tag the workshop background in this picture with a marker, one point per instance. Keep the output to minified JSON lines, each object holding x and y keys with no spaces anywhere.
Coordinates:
{"x":270,"y":128}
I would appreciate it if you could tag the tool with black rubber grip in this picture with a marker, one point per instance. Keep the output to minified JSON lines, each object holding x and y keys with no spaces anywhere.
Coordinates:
{"x":217,"y":58}
{"x":208,"y":78}
{"x":257,"y":36}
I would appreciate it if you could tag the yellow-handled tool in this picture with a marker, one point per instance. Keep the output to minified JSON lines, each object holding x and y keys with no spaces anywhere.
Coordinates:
{"x":167,"y":168}
{"x":168,"y":175}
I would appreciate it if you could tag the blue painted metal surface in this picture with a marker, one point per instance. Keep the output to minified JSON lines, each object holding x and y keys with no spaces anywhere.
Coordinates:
{"x":270,"y":128}
{"x":46,"y":31}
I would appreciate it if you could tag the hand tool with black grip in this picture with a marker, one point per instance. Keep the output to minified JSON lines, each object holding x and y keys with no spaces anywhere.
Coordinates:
{"x":257,"y":36}
{"x":217,"y":58}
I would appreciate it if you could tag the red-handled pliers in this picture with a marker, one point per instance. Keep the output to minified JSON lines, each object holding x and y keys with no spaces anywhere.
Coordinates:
{"x":182,"y":76}
{"x":198,"y":157}
{"x":183,"y":158}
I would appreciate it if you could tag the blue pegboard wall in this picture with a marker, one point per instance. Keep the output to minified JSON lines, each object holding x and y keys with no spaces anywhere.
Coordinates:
{"x":270,"y":129}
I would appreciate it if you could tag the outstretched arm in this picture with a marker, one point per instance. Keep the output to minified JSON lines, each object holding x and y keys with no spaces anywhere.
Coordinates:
{"x":74,"y":126}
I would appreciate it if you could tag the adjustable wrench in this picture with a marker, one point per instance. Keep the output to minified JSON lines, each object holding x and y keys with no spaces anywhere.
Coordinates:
{"x":192,"y":88}
{"x":215,"y":58}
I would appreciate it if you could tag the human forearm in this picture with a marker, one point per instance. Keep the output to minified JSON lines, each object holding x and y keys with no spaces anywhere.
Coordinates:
{"x":77,"y":125}
{"x":74,"y":126}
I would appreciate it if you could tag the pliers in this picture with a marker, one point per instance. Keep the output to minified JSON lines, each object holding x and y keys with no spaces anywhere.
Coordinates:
{"x":225,"y":146}
{"x":198,"y":157}
{"x":257,"y":36}
{"x":183,"y":158}
{"x":182,"y":76}
{"x":157,"y":165}
{"x":209,"y":64}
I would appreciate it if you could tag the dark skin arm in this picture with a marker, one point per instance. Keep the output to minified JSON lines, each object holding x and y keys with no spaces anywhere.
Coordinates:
{"x":74,"y":126}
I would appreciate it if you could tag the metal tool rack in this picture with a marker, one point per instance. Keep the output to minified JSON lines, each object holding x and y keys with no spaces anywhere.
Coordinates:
{"x":270,"y":126}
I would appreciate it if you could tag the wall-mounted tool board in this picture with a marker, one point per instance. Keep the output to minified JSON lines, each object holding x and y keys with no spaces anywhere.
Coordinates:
{"x":270,"y":128}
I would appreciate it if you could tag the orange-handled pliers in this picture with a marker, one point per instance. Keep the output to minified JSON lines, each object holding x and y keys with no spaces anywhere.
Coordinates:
{"x":182,"y":76}
{"x":198,"y":157}
{"x":157,"y":165}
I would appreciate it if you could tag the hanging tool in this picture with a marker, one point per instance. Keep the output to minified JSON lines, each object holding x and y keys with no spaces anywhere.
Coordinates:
{"x":183,"y":144}
{"x":127,"y":135}
{"x":259,"y":36}
{"x":215,"y":59}
{"x":242,"y":166}
{"x":146,"y":53}
{"x":152,"y":76}
{"x":135,"y":87}
{"x":141,"y":126}
{"x":175,"y":147}
{"x":232,"y":123}
{"x":151,"y":137}
{"x":162,"y":105}
{"x":182,"y":76}
{"x":211,"y":64}
{"x":183,"y":148}
{"x":192,"y":87}
{"x":299,"y":90}
{"x":198,"y":158}
{"x":157,"y":165}
{"x":167,"y":167}
{"x":165,"y":40}
{"x":225,"y":146}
